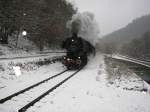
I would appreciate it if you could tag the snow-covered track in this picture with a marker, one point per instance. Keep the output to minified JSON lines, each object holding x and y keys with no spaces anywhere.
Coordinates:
{"x":24,"y":108}
{"x":24,"y":57}
{"x":47,"y":52}
{"x":23,"y":100}
{"x":28,"y":88}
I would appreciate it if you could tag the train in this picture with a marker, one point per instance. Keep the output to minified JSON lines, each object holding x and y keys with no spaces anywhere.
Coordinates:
{"x":78,"y":51}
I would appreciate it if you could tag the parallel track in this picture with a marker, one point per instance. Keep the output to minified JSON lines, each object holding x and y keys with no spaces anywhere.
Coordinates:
{"x":35,"y":93}
{"x":23,"y":109}
{"x":28,"y":88}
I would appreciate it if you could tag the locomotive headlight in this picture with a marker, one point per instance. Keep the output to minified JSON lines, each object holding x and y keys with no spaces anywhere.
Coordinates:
{"x":72,"y":40}
{"x":68,"y":59}
{"x":64,"y":57}
{"x":79,"y":57}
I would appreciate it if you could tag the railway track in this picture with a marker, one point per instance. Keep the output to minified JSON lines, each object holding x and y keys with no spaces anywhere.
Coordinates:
{"x":140,"y":62}
{"x":26,"y":98}
{"x":30,"y":56}
{"x":28,"y":88}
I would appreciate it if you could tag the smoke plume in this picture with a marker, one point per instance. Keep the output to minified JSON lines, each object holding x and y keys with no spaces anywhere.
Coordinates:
{"x":86,"y":26}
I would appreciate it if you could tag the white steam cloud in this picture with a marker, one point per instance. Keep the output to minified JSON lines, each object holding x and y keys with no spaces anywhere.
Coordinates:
{"x":86,"y":26}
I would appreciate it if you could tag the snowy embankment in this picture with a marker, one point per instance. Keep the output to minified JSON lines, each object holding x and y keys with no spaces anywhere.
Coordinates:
{"x":7,"y":53}
{"x":91,"y":90}
{"x":143,"y":63}
{"x":27,"y":64}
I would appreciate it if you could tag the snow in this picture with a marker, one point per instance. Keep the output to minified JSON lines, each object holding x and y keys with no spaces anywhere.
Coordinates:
{"x":88,"y":91}
{"x":10,"y":63}
{"x":17,"y":70}
{"x":14,"y":54}
{"x":84,"y":93}
{"x":28,"y":78}
{"x":147,"y":86}
{"x":6,"y":108}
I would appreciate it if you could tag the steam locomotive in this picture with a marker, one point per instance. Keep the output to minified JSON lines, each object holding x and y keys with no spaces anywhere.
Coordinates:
{"x":78,"y":51}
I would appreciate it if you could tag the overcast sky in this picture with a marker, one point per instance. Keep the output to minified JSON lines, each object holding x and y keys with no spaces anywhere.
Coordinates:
{"x":114,"y":14}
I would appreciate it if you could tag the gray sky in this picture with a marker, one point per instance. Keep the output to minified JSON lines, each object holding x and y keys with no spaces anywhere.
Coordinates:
{"x":114,"y":14}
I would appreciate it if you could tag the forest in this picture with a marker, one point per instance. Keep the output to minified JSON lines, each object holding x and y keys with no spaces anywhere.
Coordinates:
{"x":43,"y":20}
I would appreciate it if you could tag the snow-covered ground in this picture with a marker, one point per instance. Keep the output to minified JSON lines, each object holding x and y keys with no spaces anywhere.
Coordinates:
{"x":88,"y":91}
{"x":27,"y":63}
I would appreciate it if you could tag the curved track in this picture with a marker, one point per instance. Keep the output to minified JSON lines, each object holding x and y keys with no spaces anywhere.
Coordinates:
{"x":136,"y":61}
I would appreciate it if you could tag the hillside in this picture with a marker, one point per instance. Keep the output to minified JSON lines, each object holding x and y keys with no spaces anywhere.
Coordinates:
{"x":133,"y":30}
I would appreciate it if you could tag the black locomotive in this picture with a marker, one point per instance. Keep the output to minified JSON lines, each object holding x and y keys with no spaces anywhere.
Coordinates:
{"x":78,"y":50}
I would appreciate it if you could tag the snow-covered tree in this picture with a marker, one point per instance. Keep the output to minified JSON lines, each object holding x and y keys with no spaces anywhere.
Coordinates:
{"x":44,"y":20}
